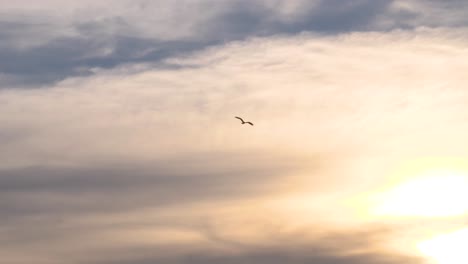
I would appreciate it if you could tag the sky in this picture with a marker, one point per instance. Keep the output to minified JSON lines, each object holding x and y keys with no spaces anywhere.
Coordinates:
{"x":119,"y":143}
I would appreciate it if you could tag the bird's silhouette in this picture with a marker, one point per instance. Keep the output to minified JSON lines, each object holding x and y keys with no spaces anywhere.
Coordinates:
{"x":243,"y":122}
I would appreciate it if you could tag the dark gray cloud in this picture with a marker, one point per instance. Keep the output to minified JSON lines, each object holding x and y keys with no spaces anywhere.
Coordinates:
{"x":39,"y":202}
{"x":112,"y":41}
{"x":65,"y":56}
{"x":113,"y":187}
{"x":337,"y":16}
{"x":243,"y":19}
{"x":272,"y":257}
{"x":353,"y":247}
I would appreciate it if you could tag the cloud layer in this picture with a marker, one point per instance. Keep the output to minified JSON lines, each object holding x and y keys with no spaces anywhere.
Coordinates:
{"x":41,"y":46}
{"x":143,"y":164}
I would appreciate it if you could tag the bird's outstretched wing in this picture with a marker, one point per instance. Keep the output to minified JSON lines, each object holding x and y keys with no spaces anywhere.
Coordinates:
{"x":250,"y":123}
{"x":239,"y":119}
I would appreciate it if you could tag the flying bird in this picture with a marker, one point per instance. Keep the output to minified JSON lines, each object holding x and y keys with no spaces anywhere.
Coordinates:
{"x":243,"y":122}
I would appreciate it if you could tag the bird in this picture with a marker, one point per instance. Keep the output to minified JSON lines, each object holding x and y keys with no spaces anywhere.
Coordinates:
{"x":243,"y":122}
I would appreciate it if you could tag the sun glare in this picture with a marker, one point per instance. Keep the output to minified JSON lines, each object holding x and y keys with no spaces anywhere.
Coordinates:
{"x":448,"y":248}
{"x":436,"y":194}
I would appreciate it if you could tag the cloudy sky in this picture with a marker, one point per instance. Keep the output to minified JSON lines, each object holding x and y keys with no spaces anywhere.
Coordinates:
{"x":119,"y":143}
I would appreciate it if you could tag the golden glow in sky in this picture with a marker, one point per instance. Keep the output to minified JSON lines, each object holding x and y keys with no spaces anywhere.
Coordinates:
{"x":425,"y":187}
{"x":436,"y":194}
{"x":448,"y":248}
